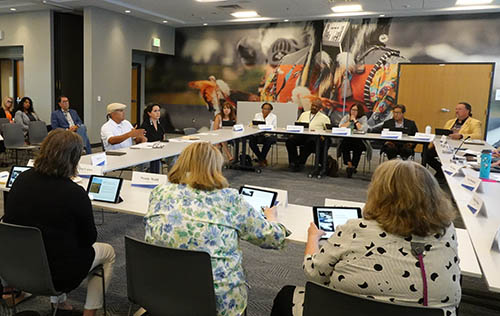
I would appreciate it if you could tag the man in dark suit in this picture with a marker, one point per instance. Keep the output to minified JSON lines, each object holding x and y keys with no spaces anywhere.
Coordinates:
{"x":399,"y":123}
{"x":67,"y":118}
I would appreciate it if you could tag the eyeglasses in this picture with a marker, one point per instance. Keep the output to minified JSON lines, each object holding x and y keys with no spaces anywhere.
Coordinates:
{"x":8,"y":101}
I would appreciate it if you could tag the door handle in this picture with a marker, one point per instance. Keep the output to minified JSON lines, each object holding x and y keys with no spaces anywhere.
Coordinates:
{"x":445,"y":110}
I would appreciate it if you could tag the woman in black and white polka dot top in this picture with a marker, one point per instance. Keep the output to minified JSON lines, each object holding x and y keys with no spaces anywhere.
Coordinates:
{"x":372,"y":257}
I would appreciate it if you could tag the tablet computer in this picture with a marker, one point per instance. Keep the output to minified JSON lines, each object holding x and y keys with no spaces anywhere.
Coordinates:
{"x":15,"y":171}
{"x":306,"y":125}
{"x":258,"y":198}
{"x":327,"y":218}
{"x":257,"y":122}
{"x":104,"y":189}
{"x":442,"y":131}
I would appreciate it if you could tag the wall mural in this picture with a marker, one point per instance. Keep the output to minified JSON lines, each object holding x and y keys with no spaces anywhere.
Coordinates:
{"x":336,"y":61}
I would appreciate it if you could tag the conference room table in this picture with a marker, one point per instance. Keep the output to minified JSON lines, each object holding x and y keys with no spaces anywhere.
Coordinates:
{"x":482,"y":227}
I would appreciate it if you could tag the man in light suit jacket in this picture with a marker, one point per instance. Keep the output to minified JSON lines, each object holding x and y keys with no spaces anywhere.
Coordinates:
{"x":461,"y":127}
{"x":67,"y":118}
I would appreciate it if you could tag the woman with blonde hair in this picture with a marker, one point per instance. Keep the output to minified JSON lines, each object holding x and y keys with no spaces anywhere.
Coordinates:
{"x":198,"y":211}
{"x":403,"y":250}
{"x":7,"y":106}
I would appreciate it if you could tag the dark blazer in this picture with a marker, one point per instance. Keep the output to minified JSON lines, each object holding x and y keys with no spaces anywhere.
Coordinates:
{"x":58,"y":120}
{"x":61,"y":209}
{"x":152,"y":134}
{"x":3,"y":115}
{"x":409,"y":128}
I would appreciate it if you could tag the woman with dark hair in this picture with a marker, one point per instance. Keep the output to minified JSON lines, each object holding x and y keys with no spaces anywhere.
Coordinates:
{"x":25,"y":113}
{"x":377,"y":257}
{"x":61,"y":209}
{"x":355,"y":120}
{"x":227,"y":114}
{"x":153,"y":130}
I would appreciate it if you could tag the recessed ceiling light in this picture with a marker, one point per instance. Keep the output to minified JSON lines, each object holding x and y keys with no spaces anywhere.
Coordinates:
{"x":245,"y":14}
{"x":127,"y":11}
{"x":473,"y":2}
{"x":13,"y":9}
{"x":165,"y":21}
{"x":205,"y":24}
{"x":347,"y":8}
{"x":286,"y":20}
{"x":382,"y":15}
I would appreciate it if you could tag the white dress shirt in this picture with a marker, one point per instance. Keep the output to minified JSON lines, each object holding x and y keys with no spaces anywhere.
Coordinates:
{"x":271,"y":119}
{"x":110,"y":129}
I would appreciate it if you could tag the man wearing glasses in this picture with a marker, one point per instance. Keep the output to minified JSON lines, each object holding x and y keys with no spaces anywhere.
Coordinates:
{"x":401,"y":124}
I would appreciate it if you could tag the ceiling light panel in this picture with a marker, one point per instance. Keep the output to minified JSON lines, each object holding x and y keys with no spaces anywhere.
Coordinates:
{"x":348,"y":7}
{"x":473,"y":2}
{"x":245,"y":14}
{"x":407,"y":4}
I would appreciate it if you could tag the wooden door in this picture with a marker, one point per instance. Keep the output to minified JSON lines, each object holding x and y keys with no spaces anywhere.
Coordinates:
{"x":431,"y":91}
{"x":135,"y":95}
{"x":19,"y":89}
{"x":6,"y":78}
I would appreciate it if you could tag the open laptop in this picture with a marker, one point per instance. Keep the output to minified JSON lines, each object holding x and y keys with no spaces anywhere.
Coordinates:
{"x":443,"y":131}
{"x":306,"y":125}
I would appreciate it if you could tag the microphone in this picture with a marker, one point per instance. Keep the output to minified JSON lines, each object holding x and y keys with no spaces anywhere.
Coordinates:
{"x":458,"y":148}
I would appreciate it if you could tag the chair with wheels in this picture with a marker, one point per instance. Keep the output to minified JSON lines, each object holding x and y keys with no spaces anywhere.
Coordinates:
{"x":167,"y":281}
{"x":24,"y":265}
{"x":322,"y":301}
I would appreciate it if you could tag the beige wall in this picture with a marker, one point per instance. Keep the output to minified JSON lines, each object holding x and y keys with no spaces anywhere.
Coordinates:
{"x":33,"y":31}
{"x":109,"y":39}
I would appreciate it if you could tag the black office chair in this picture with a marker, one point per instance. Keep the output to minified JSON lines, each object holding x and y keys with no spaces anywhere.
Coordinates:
{"x":167,"y":281}
{"x":37,"y":131}
{"x":24,"y":264}
{"x":189,"y":131}
{"x":322,"y":301}
{"x":14,"y":138}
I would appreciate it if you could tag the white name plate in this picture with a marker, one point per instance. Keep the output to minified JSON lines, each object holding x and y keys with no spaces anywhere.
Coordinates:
{"x":423,"y":136}
{"x":85,"y":171}
{"x":476,"y":205}
{"x":238,"y":128}
{"x":31,"y":163}
{"x":98,"y":159}
{"x":148,"y":180}
{"x":344,"y":131}
{"x":264,"y":127}
{"x":295,"y":128}
{"x":472,"y":184}
{"x":496,"y":241}
{"x":392,"y":135}
{"x":453,"y":169}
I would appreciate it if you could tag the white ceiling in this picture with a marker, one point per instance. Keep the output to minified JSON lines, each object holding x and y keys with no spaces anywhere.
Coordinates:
{"x":180,"y":13}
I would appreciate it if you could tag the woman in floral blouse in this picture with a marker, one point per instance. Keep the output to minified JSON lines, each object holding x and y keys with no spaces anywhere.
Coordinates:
{"x":198,"y":211}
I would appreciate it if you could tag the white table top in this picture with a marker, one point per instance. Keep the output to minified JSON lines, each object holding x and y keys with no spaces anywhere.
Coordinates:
{"x":481,"y":229}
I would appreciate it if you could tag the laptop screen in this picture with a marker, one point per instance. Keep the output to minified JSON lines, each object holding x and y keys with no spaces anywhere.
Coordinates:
{"x":14,"y":173}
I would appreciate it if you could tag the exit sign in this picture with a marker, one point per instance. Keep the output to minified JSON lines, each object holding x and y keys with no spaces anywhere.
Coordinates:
{"x":156,"y":42}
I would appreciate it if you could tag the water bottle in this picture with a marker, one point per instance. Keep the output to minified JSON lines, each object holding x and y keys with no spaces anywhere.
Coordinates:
{"x":428,"y":129}
{"x":484,"y":171}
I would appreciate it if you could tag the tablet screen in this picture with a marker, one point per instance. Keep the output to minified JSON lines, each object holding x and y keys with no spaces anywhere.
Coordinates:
{"x":105,"y":189}
{"x":328,"y":218}
{"x":258,"y":198}
{"x":14,"y":173}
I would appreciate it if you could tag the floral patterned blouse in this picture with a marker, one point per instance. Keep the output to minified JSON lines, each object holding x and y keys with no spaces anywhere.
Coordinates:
{"x":211,"y":221}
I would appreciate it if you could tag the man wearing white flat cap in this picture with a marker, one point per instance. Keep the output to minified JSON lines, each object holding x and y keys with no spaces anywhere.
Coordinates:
{"x":117,"y":132}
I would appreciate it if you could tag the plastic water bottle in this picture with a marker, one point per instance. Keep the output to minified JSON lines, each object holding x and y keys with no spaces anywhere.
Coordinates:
{"x":428,"y":129}
{"x":484,"y":171}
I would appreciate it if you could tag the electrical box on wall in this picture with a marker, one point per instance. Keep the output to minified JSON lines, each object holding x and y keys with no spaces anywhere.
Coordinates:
{"x":156,"y":42}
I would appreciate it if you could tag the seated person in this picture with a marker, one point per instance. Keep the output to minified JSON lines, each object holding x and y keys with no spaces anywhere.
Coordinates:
{"x":24,"y":114}
{"x":117,"y":132}
{"x":66,"y":222}
{"x":154,"y":131}
{"x":67,"y":118}
{"x":372,"y":257}
{"x":196,"y":210}
{"x":228,"y":114}
{"x":401,"y":124}
{"x":266,"y":140}
{"x":462,"y":127}
{"x":355,"y":120}
{"x":317,"y":121}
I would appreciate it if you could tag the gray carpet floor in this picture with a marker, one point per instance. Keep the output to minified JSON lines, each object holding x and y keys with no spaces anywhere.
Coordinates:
{"x":267,"y":270}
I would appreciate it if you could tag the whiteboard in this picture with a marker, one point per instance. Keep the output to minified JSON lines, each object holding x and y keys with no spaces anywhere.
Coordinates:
{"x":286,"y":112}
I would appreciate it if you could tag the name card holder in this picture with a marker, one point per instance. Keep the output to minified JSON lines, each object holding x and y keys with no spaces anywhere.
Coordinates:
{"x":264,"y":127}
{"x":295,"y":128}
{"x":147,"y":180}
{"x":453,"y":169}
{"x":472,"y":184}
{"x":85,"y":171}
{"x":31,"y":163}
{"x":423,"y":136}
{"x":496,"y":241}
{"x":391,"y":135}
{"x":98,"y":159}
{"x":238,"y":128}
{"x":476,"y":205}
{"x":343,"y":131}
